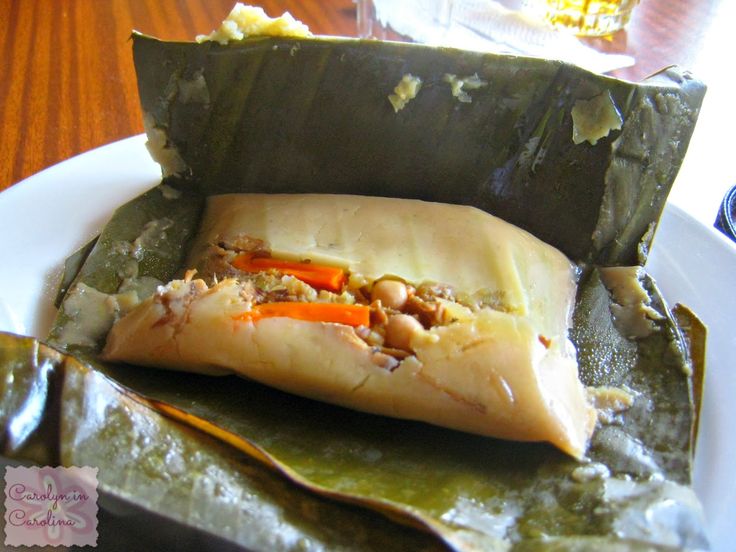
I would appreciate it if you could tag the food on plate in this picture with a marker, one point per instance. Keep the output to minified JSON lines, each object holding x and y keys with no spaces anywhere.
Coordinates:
{"x":428,"y":311}
{"x":581,"y":161}
{"x":250,"y":21}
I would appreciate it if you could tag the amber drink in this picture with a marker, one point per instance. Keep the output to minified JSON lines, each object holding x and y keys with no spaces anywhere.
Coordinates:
{"x":585,"y":17}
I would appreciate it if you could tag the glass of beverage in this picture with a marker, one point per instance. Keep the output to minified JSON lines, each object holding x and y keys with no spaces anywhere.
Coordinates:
{"x":584,"y":17}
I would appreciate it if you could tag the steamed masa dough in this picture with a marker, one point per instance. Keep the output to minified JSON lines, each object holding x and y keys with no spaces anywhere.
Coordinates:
{"x":501,"y":365}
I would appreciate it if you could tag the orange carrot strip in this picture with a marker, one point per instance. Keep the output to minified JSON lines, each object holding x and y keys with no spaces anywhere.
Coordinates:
{"x":318,"y":276}
{"x":339,"y":313}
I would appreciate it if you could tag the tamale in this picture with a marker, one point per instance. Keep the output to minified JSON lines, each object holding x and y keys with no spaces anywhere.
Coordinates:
{"x":478,"y":344}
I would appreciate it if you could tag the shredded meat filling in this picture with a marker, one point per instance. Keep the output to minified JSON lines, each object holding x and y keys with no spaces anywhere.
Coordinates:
{"x":428,"y":312}
{"x":423,"y":302}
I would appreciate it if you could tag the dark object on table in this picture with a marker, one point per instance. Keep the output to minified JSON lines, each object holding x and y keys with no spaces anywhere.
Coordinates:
{"x":725,"y":221}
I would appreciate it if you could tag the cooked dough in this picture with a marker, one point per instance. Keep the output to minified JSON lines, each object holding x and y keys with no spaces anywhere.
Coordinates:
{"x":499,"y":364}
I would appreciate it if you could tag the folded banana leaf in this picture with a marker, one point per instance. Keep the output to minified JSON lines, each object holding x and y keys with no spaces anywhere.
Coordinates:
{"x":287,"y":115}
{"x":313,"y":115}
{"x":200,"y":493}
{"x":142,"y":246}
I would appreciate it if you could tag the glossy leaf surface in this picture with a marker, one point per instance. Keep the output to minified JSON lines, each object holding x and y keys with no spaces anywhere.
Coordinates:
{"x":313,"y":115}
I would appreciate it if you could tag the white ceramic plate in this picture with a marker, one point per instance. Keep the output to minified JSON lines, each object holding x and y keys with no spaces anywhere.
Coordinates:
{"x":51,"y":214}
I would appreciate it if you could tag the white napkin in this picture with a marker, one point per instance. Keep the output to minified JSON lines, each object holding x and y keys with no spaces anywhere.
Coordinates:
{"x":487,"y":25}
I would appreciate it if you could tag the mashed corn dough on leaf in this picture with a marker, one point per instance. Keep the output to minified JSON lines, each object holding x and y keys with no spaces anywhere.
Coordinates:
{"x":161,"y":480}
{"x":498,"y":364}
{"x":491,"y":489}
{"x":582,"y":161}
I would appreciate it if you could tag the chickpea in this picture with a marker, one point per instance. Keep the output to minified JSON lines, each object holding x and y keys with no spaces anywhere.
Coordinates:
{"x":392,"y":293}
{"x":400,"y":330}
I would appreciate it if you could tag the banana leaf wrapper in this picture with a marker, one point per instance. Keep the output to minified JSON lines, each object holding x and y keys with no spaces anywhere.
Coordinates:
{"x":513,"y":155}
{"x":313,"y":115}
{"x":143,"y":246}
{"x":160,"y":482}
{"x":473,"y":493}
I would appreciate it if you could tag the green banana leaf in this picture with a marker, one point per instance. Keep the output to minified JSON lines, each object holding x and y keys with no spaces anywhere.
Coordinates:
{"x":287,"y":115}
{"x":198,"y":492}
{"x":313,"y":115}
{"x":142,"y":246}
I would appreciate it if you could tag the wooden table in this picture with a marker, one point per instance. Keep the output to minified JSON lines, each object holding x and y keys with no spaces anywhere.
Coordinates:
{"x":68,"y":83}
